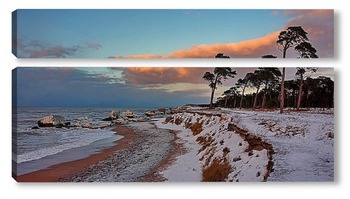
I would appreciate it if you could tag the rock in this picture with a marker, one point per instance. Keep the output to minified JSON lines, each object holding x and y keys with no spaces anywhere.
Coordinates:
{"x":236,"y":159}
{"x":88,"y":126}
{"x":120,"y":121}
{"x":107,"y":119}
{"x":162,"y":110}
{"x":114,"y":115}
{"x":52,"y":121}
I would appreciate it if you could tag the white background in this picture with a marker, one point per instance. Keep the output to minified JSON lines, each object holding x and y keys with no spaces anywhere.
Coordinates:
{"x":195,"y":190}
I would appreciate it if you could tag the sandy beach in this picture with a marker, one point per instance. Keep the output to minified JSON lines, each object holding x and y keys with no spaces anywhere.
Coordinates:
{"x":133,"y":158}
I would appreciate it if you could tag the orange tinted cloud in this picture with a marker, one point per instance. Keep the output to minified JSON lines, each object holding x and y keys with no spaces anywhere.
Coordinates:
{"x":318,"y":23}
{"x":163,"y":75}
{"x":250,"y":48}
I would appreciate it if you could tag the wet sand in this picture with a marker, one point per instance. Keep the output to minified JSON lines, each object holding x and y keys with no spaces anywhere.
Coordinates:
{"x":151,"y":146}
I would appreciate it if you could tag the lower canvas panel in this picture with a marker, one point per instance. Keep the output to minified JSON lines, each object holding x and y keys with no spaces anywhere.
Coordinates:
{"x":150,"y":124}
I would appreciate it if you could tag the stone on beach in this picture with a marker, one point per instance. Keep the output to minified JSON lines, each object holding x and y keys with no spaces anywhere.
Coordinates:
{"x":52,"y":121}
{"x":112,"y":116}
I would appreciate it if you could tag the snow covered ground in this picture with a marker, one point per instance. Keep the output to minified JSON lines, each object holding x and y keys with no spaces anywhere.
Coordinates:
{"x":302,"y":144}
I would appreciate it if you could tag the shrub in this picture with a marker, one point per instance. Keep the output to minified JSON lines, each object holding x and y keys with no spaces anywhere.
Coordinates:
{"x":169,"y":119}
{"x":178,"y":121}
{"x":217,"y":171}
{"x":226,"y":151}
{"x":196,"y":128}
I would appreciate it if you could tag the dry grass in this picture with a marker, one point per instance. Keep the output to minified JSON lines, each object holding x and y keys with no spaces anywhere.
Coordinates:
{"x":205,"y":141}
{"x":226,"y":151}
{"x":255,"y":143}
{"x":178,"y":121}
{"x":217,"y":171}
{"x":169,"y":119}
{"x":196,"y":128}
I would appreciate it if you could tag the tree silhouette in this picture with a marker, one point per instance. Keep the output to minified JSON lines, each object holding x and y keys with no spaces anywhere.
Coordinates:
{"x":221,"y":55}
{"x":269,"y":76}
{"x":268,"y":56}
{"x":243,"y":83}
{"x":294,"y":36}
{"x":216,"y":78}
{"x":300,"y":73}
{"x":230,"y":93}
{"x":306,"y":50}
{"x":256,"y":80}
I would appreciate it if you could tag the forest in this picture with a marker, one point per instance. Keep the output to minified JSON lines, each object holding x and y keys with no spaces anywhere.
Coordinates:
{"x":315,"y":93}
{"x":267,"y":87}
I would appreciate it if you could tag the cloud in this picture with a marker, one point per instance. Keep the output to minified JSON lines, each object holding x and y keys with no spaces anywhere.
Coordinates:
{"x":318,"y":23}
{"x":63,"y":87}
{"x":39,"y":49}
{"x":245,"y":49}
{"x":163,"y":75}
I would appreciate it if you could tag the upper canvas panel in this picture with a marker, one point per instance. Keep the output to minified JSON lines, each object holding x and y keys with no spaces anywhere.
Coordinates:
{"x":48,"y":33}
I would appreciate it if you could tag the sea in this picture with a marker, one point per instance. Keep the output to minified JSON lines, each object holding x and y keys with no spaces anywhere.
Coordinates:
{"x":36,"y":149}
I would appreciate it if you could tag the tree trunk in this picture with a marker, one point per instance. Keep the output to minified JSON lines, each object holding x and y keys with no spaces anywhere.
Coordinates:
{"x":256,"y":97}
{"x":211,"y":98}
{"x":264,"y":96}
{"x":282,"y":86}
{"x":264,"y":100}
{"x":213,"y":91}
{"x":225,"y":102}
{"x":241,"y":102}
{"x":300,"y":91}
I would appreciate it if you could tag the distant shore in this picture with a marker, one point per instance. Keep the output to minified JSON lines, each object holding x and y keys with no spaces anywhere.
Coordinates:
{"x":65,"y":170}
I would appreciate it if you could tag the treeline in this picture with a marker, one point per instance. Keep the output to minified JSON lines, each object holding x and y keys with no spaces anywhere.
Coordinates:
{"x":270,"y":89}
{"x":316,"y":93}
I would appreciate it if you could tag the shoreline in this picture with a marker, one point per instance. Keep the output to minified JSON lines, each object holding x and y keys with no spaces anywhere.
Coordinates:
{"x":178,"y":149}
{"x":65,"y":170}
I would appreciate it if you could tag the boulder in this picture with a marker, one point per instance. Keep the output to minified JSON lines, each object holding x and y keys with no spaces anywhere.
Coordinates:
{"x":52,"y":121}
{"x":107,"y":119}
{"x":114,"y":115}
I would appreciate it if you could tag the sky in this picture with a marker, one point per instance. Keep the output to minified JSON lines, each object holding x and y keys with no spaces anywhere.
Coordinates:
{"x":164,"y":33}
{"x":121,"y":87}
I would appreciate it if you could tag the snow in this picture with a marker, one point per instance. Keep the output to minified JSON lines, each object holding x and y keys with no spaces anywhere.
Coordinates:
{"x":302,"y":144}
{"x":186,"y":166}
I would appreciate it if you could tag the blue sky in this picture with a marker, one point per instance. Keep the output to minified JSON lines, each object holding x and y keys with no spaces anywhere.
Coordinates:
{"x":113,"y":33}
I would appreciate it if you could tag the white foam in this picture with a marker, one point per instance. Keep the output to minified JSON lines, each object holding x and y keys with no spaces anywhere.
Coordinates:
{"x":84,"y":140}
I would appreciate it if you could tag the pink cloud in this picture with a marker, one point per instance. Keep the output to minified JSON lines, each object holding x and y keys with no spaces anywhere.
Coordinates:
{"x":318,"y":23}
{"x":320,"y":27}
{"x":163,"y":75}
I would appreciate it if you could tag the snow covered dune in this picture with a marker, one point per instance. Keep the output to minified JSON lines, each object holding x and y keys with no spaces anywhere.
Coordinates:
{"x":303,"y":142}
{"x":222,"y":152}
{"x":235,"y":146}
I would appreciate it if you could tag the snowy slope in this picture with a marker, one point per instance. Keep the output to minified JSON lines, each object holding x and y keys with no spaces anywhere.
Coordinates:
{"x":213,"y":141}
{"x":303,"y":142}
{"x":302,"y":145}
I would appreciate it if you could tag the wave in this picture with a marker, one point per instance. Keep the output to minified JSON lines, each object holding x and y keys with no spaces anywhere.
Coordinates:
{"x":86,"y":140}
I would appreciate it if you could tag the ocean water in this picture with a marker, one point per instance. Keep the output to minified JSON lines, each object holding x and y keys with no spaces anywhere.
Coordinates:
{"x":35,"y":149}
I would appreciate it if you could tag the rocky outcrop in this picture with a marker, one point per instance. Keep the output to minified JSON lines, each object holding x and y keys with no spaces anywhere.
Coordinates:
{"x":112,"y":116}
{"x":52,"y":121}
